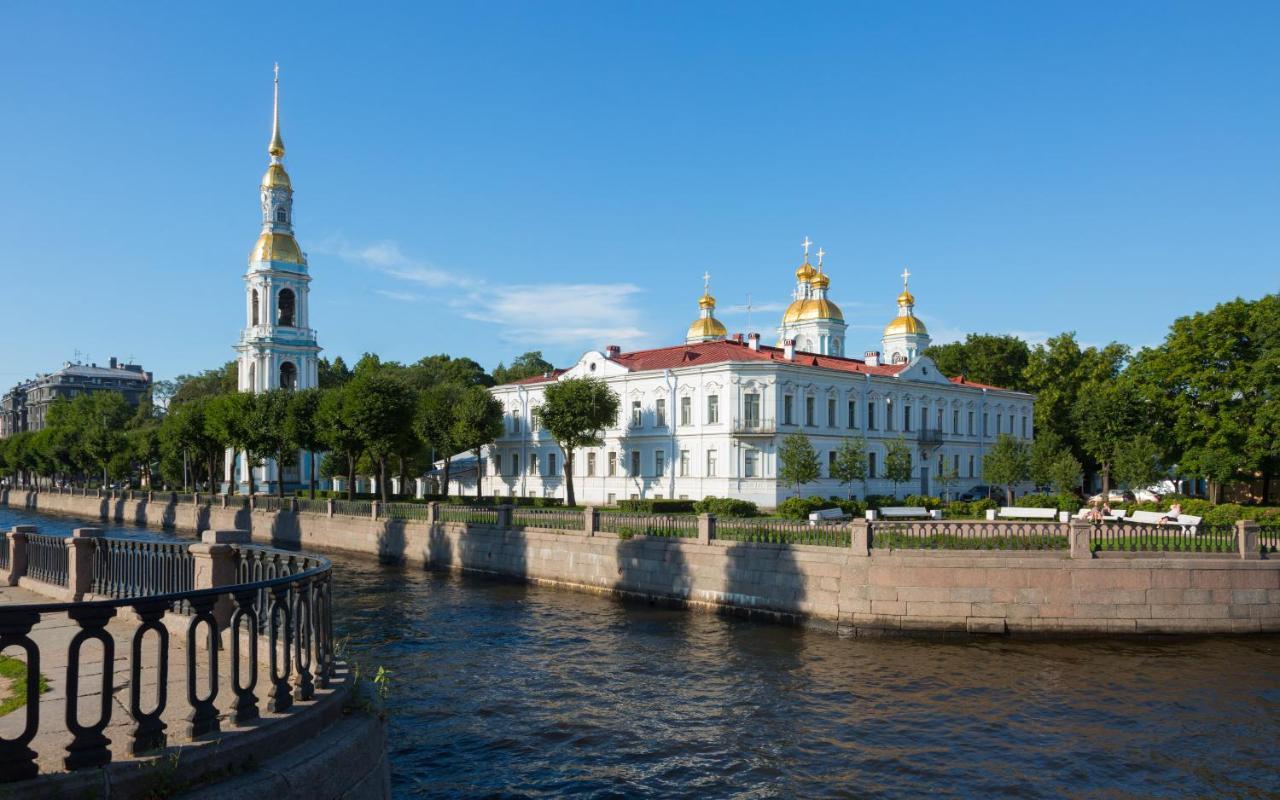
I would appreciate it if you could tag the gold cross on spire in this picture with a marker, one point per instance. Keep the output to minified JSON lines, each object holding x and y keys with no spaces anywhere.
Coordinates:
{"x":706,"y":283}
{"x":806,"y":244}
{"x":276,"y":148}
{"x":820,"y":255}
{"x":905,"y":275}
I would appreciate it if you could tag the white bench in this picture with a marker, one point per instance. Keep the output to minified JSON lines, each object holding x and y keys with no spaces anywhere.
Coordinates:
{"x":826,"y":515}
{"x":903,"y":512}
{"x":1114,"y":516}
{"x":1155,"y":517}
{"x":1014,"y":512}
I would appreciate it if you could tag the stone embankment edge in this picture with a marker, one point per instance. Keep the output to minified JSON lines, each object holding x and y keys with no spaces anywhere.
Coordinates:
{"x":887,"y":592}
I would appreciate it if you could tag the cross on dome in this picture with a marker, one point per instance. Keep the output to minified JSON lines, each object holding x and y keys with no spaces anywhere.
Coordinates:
{"x":905,"y":275}
{"x":806,"y":244}
{"x":820,"y":255}
{"x":706,"y":282}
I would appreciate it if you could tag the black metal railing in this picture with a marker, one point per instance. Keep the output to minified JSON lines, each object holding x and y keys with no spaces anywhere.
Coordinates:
{"x":47,"y":558}
{"x":1137,"y":537}
{"x":672,"y":525}
{"x":291,"y":612}
{"x":782,"y":531}
{"x":136,"y":567}
{"x":960,"y":535}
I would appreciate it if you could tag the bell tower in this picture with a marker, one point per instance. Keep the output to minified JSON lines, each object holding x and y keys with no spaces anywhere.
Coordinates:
{"x":277,"y":347}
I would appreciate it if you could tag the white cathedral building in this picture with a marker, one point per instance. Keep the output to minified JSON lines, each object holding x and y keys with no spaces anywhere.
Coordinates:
{"x":707,"y":417}
{"x":277,"y":348}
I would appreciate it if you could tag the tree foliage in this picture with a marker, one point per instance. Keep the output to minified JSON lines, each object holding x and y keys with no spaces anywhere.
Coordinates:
{"x":523,"y":366}
{"x":576,"y":412}
{"x":1006,"y":463}
{"x":851,"y":463}
{"x":798,"y":462}
{"x":998,"y":360}
{"x":897,"y":462}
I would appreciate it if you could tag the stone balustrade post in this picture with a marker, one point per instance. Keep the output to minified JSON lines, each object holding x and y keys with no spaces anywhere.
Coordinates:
{"x":1078,"y":534}
{"x":860,"y":537}
{"x":80,"y":548}
{"x":1247,"y":539}
{"x":17,"y":553}
{"x":504,"y":516}
{"x":374,"y":507}
{"x":433,"y":512}
{"x":590,"y":520}
{"x":706,"y":528}
{"x":215,"y":565}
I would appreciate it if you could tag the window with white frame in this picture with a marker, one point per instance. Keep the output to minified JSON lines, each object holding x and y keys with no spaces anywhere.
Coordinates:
{"x":711,"y":463}
{"x":613,"y":464}
{"x":684,"y":463}
{"x":659,"y":462}
{"x":751,"y":464}
{"x":635,"y":463}
{"x":713,"y":409}
{"x":533,"y":463}
{"x":831,"y":413}
{"x":591,"y":465}
{"x":660,"y":412}
{"x":852,"y":410}
{"x":551,"y":464}
{"x":788,"y":409}
{"x":686,"y":410}
{"x":809,"y":413}
{"x":635,"y":414}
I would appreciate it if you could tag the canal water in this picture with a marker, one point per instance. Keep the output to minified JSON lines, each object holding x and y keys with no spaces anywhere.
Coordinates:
{"x":505,"y":690}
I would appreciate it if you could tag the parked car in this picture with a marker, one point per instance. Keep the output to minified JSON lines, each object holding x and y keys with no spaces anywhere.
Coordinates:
{"x":982,"y":492}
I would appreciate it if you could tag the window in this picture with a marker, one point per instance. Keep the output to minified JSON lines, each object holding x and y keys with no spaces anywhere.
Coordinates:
{"x":955,"y":420}
{"x":970,"y":466}
{"x":831,"y":413}
{"x":533,"y":463}
{"x":713,"y":409}
{"x":635,"y":463}
{"x":871,"y":465}
{"x":711,"y":463}
{"x":684,"y":463}
{"x":497,"y":464}
{"x":999,"y":420}
{"x":254,"y":319}
{"x":941,"y":464}
{"x":613,"y":464}
{"x":533,"y":419}
{"x":635,"y":413}
{"x":515,"y":422}
{"x":288,"y":376}
{"x":285,"y":308}
{"x":788,"y":408}
{"x":970,"y":423}
{"x":890,"y":423}
{"x":985,"y":427}
{"x":613,"y":499}
{"x":939,"y":425}
{"x":831,"y":464}
{"x":661,"y":413}
{"x":1024,"y":426}
{"x":955,"y":464}
{"x":751,"y":409}
{"x":515,"y":463}
{"x":871,"y":415}
{"x":659,"y":462}
{"x":686,"y":410}
{"x":551,"y":464}
{"x":852,"y":411}
{"x":906,"y":418}
{"x":591,"y":465}
{"x":751,"y":464}
{"x":808,"y":412}
{"x":281,"y":216}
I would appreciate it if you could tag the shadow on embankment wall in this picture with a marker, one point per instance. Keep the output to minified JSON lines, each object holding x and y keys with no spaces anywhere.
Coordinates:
{"x":653,"y":569}
{"x":764,"y":581}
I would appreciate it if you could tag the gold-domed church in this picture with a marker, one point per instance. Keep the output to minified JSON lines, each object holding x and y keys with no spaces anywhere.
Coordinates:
{"x":706,"y":328}
{"x":812,"y":322}
{"x":277,"y":347}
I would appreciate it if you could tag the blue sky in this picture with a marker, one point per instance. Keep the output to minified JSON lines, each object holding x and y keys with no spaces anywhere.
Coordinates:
{"x":484,"y":179}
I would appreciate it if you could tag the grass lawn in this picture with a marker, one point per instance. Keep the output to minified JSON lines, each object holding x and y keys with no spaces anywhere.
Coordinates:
{"x":15,"y":672}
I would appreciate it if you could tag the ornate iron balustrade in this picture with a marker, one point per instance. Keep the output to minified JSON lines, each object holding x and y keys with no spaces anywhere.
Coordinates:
{"x":47,"y":558}
{"x":476,"y":515}
{"x":353,"y":508}
{"x":674,"y":525}
{"x":135,"y":567}
{"x":309,"y":506}
{"x":409,"y":512}
{"x":550,"y":518}
{"x":289,"y":608}
{"x":969,"y":535}
{"x":1137,"y":537}
{"x":781,"y":531}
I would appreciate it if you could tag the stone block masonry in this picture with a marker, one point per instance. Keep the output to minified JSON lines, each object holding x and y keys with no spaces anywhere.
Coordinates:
{"x":837,"y":588}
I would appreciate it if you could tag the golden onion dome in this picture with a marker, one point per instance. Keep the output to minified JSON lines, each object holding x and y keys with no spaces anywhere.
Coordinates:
{"x":276,"y":178}
{"x":821,"y":281}
{"x":906,"y":298}
{"x":277,"y":247}
{"x":707,"y":328}
{"x":804,"y":310}
{"x":805,"y":271}
{"x":908,"y":323}
{"x":706,"y":301}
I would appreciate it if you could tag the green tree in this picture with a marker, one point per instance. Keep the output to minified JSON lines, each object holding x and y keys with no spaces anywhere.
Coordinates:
{"x":851,"y":464}
{"x":185,"y":436}
{"x":381,"y":408}
{"x":209,"y":383}
{"x":1137,"y":463}
{"x":272,"y":417}
{"x":1065,"y":473}
{"x":303,"y":428}
{"x":897,"y":462}
{"x":1107,"y":413}
{"x":333,"y":374}
{"x":1045,"y":452}
{"x":477,"y":421}
{"x":576,"y":412}
{"x":338,"y":433}
{"x":433,"y":421}
{"x":798,"y":462}
{"x":442,"y":368}
{"x":144,"y":451}
{"x":1006,"y":463}
{"x":231,"y":419}
{"x":527,"y":365}
{"x":986,"y":358}
{"x":100,"y":419}
{"x":948,"y":477}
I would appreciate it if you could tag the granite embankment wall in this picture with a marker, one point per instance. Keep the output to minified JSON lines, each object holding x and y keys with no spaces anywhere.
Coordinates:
{"x":1045,"y":592}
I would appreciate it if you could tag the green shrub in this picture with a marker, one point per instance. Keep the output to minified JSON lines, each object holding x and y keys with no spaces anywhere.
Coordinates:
{"x":657,"y":506}
{"x":981,"y":507}
{"x":726,"y":507}
{"x":877,"y":501}
{"x":958,"y":509}
{"x":1063,"y":502}
{"x":923,"y":501}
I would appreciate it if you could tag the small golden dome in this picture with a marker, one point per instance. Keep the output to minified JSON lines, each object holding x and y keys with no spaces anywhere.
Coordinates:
{"x":822,"y":281}
{"x":905,"y":324}
{"x":804,"y":310}
{"x":276,"y":178}
{"x":805,"y":271}
{"x":706,"y":301}
{"x":707,"y":328}
{"x":278,"y":247}
{"x":906,"y":298}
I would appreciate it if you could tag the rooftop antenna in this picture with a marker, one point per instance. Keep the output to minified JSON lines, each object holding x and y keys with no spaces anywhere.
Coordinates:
{"x":749,"y":312}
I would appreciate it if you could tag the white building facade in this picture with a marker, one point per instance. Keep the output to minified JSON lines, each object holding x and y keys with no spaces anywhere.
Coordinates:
{"x":707,"y":418}
{"x":277,"y":347}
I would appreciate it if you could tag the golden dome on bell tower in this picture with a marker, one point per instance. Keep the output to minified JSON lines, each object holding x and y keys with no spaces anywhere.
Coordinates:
{"x":706,"y":327}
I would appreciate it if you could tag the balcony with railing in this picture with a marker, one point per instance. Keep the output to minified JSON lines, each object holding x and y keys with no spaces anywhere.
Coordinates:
{"x":753,"y":426}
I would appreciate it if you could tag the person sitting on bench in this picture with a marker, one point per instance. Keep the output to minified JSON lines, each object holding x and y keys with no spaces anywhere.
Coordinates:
{"x":1174,"y":512}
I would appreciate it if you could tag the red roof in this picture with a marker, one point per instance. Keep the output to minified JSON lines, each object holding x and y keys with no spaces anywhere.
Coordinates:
{"x":731,"y":350}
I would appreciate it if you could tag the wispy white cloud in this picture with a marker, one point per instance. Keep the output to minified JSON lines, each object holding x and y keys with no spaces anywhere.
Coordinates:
{"x":741,"y":310}
{"x":404,"y":297}
{"x":387,"y":257}
{"x":565,"y":314}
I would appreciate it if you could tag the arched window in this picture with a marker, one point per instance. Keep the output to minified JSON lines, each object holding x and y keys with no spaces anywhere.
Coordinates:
{"x":835,"y":346}
{"x":281,"y":216}
{"x":253,"y":376}
{"x":285,"y":307}
{"x":288,"y":376}
{"x":253,"y":320}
